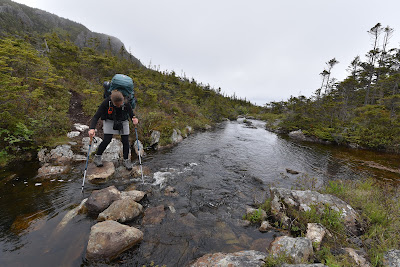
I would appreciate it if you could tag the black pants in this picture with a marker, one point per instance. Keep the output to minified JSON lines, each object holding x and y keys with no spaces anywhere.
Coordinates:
{"x":107,"y":139}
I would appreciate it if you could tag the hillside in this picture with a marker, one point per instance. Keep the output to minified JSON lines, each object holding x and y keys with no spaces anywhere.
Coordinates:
{"x":47,"y":71}
{"x":19,"y":19}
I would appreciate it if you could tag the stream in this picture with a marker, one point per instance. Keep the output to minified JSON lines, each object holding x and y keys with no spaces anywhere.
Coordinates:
{"x":216,"y":174}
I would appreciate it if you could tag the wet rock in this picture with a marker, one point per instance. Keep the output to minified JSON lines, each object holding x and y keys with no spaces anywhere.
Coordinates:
{"x":108,"y":239}
{"x":303,"y":200}
{"x":170,"y":191}
{"x":155,"y":138}
{"x":207,"y":127}
{"x":95,"y":144}
{"x":176,"y":136}
{"x":71,"y":214}
{"x":260,"y":244}
{"x":265,"y":226}
{"x":133,"y":194}
{"x":357,"y":257}
{"x":392,"y":258}
{"x":47,"y":170}
{"x":98,"y":175}
{"x":122,"y":210}
{"x":225,"y":233}
{"x":140,"y":150}
{"x":315,"y":232}
{"x":28,"y":222}
{"x":99,"y":200}
{"x":188,"y":130}
{"x":300,"y":249}
{"x":248,"y":258}
{"x":154,"y":215}
{"x":81,"y":127}
{"x":292,"y":171}
{"x":189,"y":220}
{"x":298,"y":135}
{"x":73,"y":134}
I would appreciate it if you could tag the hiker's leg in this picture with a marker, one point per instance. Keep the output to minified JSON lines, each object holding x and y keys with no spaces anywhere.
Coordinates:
{"x":103,"y":145}
{"x":125,"y":145}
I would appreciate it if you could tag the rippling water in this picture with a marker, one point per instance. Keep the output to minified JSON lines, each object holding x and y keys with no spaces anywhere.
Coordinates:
{"x":216,"y":174}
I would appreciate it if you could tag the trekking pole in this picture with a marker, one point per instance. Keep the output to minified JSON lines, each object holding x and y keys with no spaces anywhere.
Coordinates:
{"x":138,"y":148}
{"x":87,"y":161}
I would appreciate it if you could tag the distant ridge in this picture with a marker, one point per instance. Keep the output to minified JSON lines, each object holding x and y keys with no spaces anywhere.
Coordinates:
{"x":20,"y":19}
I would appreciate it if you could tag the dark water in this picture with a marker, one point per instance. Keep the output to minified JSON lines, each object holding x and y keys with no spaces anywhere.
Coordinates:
{"x":216,"y":174}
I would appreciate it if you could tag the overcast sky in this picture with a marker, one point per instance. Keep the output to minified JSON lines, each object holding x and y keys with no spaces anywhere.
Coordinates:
{"x":260,"y":50}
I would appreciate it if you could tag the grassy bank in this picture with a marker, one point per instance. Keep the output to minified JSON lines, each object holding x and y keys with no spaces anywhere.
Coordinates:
{"x":379,"y":208}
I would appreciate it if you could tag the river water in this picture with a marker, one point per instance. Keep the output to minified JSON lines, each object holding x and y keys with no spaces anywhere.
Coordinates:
{"x":216,"y":175}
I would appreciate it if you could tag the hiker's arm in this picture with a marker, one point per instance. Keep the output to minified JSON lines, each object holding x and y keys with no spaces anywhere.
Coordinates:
{"x":95,"y":118}
{"x":132,"y":115}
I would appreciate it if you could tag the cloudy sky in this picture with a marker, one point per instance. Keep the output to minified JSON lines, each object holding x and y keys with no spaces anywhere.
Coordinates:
{"x":260,"y":50}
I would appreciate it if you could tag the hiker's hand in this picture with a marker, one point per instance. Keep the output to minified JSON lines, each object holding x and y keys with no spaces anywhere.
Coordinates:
{"x":92,"y":133}
{"x":135,"y":120}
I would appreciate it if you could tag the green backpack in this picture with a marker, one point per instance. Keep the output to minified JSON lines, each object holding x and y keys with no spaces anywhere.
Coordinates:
{"x":122,"y":83}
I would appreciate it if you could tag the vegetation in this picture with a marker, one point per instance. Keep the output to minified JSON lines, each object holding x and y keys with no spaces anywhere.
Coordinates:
{"x":363,"y":109}
{"x":376,"y":202}
{"x":36,"y":85}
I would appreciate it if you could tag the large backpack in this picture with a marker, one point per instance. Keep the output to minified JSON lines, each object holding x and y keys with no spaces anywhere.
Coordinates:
{"x":122,"y":83}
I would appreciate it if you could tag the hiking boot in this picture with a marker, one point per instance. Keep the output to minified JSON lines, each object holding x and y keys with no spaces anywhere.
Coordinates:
{"x":128,"y":164}
{"x":97,"y":161}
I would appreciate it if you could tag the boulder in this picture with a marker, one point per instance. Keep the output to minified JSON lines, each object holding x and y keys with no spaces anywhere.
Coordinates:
{"x":303,"y":200}
{"x":98,"y":175}
{"x":357,"y":257}
{"x":392,"y":258}
{"x":81,"y":127}
{"x":155,"y":138}
{"x":47,"y":170}
{"x":315,"y":232}
{"x":113,"y":151}
{"x":140,"y":150}
{"x":265,"y":226}
{"x":176,"y":136}
{"x":300,"y":249}
{"x":121,"y":210}
{"x":108,"y":239}
{"x":61,"y":155}
{"x":73,"y":134}
{"x":298,"y":135}
{"x":134,"y":194}
{"x":99,"y":200}
{"x":248,"y":258}
{"x":154,"y":215}
{"x":95,"y":144}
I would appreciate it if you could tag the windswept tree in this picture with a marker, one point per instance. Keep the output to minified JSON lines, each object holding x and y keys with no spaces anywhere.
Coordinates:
{"x":372,"y":56}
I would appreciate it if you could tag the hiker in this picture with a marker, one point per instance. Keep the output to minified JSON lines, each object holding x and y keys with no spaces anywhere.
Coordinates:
{"x":115,"y":113}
